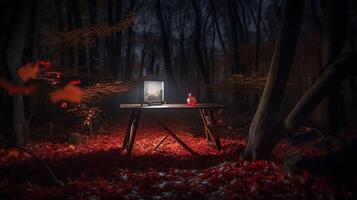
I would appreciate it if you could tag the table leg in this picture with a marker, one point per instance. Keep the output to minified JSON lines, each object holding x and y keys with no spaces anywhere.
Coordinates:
{"x":127,"y":134}
{"x":211,"y":138}
{"x":182,"y":143}
{"x":131,"y":131}
{"x":162,"y":140}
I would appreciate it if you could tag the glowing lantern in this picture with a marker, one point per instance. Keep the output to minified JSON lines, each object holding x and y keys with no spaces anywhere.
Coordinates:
{"x":153,"y":92}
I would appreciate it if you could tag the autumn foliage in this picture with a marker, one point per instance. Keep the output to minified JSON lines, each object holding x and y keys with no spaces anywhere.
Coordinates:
{"x":97,"y":170}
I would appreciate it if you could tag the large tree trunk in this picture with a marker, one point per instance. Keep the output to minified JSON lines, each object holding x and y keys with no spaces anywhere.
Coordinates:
{"x":268,"y":108}
{"x":174,"y":91}
{"x":327,"y":116}
{"x":14,"y":47}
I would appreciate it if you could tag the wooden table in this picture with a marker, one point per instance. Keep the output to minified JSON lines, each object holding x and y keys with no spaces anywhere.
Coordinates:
{"x":207,"y":118}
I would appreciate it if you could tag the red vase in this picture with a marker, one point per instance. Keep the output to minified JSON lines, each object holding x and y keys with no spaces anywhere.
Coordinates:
{"x":191,"y":100}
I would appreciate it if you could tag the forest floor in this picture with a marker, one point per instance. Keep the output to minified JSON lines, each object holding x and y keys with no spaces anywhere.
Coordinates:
{"x":97,"y":169}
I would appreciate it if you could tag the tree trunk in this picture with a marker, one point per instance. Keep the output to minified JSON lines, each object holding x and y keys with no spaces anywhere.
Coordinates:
{"x":334,"y":35}
{"x":198,"y":50}
{"x":129,"y":44}
{"x":14,"y":47}
{"x":174,"y":92}
{"x":267,"y":111}
{"x":233,"y":18}
{"x":244,"y":21}
{"x":315,"y":16}
{"x":220,"y":37}
{"x":93,"y":51}
{"x":277,"y":8}
{"x":77,"y":19}
{"x":59,"y":15}
{"x":334,"y":74}
{"x":117,"y":56}
{"x":110,"y":39}
{"x":257,"y":39}
{"x":70,"y":26}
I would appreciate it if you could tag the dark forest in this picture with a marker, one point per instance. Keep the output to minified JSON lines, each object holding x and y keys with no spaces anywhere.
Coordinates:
{"x":178,"y":99}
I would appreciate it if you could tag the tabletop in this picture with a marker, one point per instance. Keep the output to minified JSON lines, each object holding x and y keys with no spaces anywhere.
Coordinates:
{"x":172,"y":106}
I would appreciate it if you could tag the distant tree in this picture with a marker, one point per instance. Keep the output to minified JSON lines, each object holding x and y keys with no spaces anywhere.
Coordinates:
{"x":257,"y":38}
{"x":174,"y":89}
{"x":77,"y":19}
{"x":198,"y":49}
{"x":60,"y":22}
{"x":117,"y":57}
{"x":236,"y":33}
{"x":129,"y":44}
{"x":93,"y":51}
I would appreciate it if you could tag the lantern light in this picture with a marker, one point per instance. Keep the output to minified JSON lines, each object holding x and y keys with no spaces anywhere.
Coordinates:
{"x":154,"y":92}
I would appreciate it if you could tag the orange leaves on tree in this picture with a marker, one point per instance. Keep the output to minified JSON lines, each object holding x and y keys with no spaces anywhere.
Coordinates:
{"x":14,"y":89}
{"x":69,"y":92}
{"x":28,"y":71}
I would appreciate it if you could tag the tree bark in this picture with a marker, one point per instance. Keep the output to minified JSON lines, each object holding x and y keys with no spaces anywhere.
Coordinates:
{"x":70,"y":26}
{"x":93,"y":51}
{"x":198,"y":50}
{"x":257,"y":39}
{"x":77,"y":19}
{"x":267,"y":111}
{"x":233,"y":18}
{"x":129,"y":44}
{"x":14,"y":46}
{"x":174,"y":92}
{"x":327,"y":116}
{"x":244,"y":21}
{"x":110,"y":39}
{"x":117,"y":58}
{"x":334,"y":74}
{"x":220,"y":37}
{"x":59,"y":15}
